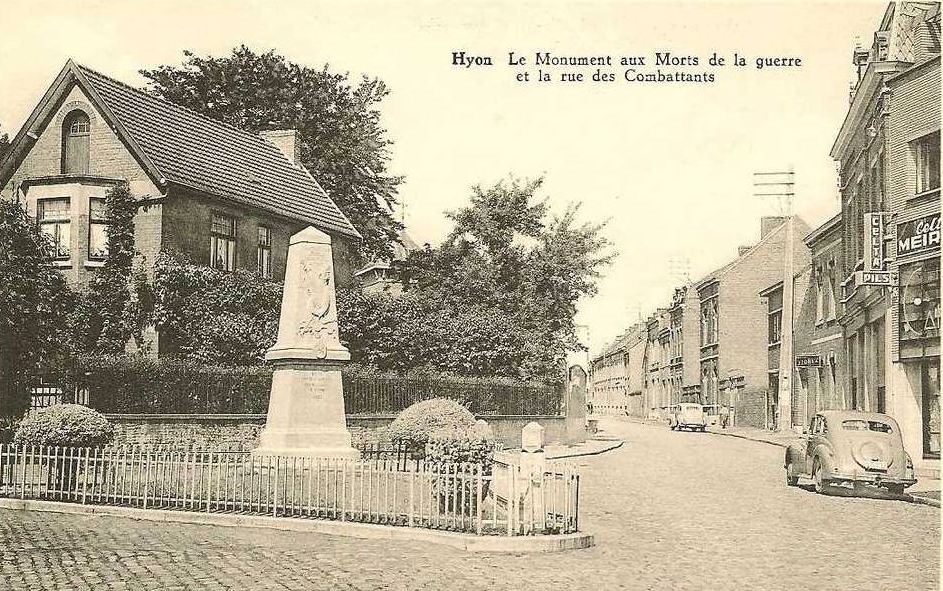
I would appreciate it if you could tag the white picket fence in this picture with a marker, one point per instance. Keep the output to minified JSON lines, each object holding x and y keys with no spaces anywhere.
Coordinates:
{"x":455,"y":497}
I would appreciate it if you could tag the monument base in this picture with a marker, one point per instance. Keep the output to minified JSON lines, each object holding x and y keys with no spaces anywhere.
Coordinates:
{"x":324,"y":453}
{"x":306,"y":414}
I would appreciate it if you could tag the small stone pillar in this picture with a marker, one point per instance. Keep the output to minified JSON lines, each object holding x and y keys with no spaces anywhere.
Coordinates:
{"x":306,"y":407}
{"x":533,"y":465}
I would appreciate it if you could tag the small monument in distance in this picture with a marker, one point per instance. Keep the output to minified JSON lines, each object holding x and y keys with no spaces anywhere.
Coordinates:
{"x":306,"y":407}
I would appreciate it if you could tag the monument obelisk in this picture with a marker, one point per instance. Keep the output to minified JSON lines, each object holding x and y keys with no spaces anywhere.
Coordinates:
{"x":306,"y":406}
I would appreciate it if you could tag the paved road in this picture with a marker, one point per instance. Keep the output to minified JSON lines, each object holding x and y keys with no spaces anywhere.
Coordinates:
{"x":670,"y":511}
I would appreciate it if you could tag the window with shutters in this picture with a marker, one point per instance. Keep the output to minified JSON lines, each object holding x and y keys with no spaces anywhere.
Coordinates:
{"x":75,"y":135}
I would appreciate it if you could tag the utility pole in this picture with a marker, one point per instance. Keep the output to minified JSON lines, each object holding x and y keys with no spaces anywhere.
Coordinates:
{"x":781,"y":186}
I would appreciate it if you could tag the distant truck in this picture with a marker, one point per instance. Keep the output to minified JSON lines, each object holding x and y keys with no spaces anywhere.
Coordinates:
{"x":687,"y":415}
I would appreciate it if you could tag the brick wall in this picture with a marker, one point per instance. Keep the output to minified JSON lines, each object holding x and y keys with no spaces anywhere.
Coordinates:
{"x":743,"y":330}
{"x":107,"y":154}
{"x":236,"y":431}
{"x":187,"y":217}
{"x":751,"y":409}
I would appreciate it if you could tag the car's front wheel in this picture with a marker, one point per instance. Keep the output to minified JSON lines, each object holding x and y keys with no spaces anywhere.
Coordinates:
{"x":791,"y":478}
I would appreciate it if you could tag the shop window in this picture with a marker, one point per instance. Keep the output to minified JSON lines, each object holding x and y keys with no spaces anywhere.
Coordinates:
{"x":223,"y":242}
{"x":927,"y":151}
{"x":920,"y":301}
{"x":930,"y":395}
{"x":54,"y":221}
{"x":75,"y":134}
{"x":265,"y":252}
{"x":97,"y":235}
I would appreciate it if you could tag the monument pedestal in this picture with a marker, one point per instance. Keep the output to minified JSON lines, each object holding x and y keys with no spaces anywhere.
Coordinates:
{"x":306,"y":413}
{"x":306,"y":407}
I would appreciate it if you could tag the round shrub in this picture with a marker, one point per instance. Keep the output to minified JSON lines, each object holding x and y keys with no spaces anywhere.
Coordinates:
{"x":437,"y":418}
{"x":64,"y":425}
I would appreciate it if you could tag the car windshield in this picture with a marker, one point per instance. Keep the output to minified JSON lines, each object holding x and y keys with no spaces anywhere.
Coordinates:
{"x":862,"y":425}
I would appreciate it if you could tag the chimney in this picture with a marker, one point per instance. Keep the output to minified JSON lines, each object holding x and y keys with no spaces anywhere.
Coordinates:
{"x":287,"y":141}
{"x":742,"y":250}
{"x":770,"y":223}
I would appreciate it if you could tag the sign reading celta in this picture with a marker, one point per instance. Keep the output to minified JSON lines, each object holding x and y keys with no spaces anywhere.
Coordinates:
{"x":874,"y":241}
{"x":919,"y":235}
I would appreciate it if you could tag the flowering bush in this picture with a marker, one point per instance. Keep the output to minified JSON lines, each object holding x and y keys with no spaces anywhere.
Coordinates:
{"x":475,"y":446}
{"x":437,"y":418}
{"x":64,"y":425}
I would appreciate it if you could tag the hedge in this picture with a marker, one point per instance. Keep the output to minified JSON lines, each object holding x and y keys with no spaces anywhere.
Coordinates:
{"x":126,"y":384}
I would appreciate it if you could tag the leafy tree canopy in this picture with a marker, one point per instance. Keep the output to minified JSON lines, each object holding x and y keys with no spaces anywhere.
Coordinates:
{"x":4,"y":143}
{"x":34,"y":303}
{"x":343,"y":142}
{"x":509,"y":262}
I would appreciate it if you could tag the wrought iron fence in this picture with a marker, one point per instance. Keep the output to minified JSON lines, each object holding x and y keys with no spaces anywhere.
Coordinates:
{"x":387,"y":393}
{"x":467,"y":498}
{"x":191,"y":389}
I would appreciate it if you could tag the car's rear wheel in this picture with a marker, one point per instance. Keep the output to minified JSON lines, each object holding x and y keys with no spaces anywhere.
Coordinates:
{"x":895,"y":489}
{"x":791,"y":478}
{"x":817,"y":477}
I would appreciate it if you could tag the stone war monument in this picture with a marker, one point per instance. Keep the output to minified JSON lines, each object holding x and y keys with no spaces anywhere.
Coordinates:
{"x":306,"y":406}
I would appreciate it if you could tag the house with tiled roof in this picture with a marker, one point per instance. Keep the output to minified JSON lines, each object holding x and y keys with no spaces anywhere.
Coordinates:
{"x":736,"y":324}
{"x":215,"y":194}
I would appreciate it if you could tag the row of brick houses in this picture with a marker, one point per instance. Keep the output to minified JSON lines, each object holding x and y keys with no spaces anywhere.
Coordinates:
{"x":856,"y":323}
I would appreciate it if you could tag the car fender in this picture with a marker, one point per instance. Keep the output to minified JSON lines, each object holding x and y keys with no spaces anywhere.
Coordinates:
{"x":795,"y":455}
{"x":826,"y":457}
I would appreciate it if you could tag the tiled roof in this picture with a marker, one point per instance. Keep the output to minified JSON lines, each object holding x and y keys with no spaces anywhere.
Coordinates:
{"x":195,"y":151}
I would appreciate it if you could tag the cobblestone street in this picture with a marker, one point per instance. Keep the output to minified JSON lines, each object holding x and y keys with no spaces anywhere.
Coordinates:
{"x":669,"y":511}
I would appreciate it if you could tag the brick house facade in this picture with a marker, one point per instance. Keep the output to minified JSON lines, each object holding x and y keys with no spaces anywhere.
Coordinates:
{"x":888,"y":151}
{"x":210,"y":192}
{"x":734,"y":320}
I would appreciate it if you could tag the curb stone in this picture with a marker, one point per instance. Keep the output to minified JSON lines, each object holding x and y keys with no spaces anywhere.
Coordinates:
{"x":467,"y":542}
{"x":614,"y":444}
{"x":924,"y":501}
{"x":916,"y":499}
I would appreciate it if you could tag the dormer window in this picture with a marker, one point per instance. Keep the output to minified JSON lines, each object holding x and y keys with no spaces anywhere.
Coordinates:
{"x":75,"y":134}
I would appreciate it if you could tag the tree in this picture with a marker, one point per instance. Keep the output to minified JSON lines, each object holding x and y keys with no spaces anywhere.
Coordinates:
{"x":343,"y":143}
{"x":119,"y":303}
{"x":4,"y":143}
{"x":498,"y":296}
{"x":34,"y":305}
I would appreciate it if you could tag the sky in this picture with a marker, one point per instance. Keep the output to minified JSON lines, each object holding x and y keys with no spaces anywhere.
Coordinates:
{"x":670,"y":166}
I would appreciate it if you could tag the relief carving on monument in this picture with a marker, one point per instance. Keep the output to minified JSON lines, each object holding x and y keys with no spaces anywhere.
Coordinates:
{"x":319,"y":326}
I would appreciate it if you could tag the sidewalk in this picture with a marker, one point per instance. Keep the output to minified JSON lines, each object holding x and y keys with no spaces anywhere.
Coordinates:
{"x":926,"y":491}
{"x":595,"y":445}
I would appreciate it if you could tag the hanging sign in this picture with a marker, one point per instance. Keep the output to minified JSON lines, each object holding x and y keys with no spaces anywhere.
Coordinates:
{"x":809,"y":361}
{"x":874,"y":242}
{"x":877,"y":278}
